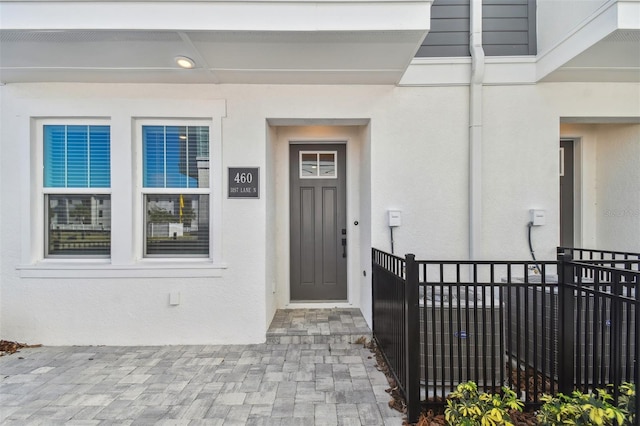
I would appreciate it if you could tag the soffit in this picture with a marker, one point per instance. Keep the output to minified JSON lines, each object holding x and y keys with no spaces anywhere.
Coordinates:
{"x":605,"y":48}
{"x":355,"y":42}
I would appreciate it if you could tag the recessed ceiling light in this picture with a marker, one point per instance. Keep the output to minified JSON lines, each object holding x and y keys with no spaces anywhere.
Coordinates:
{"x":184,"y":62}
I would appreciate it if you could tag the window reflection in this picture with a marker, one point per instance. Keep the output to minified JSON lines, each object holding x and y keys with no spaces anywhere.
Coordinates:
{"x":309,"y":165}
{"x":79,"y":225}
{"x":319,"y":164}
{"x":177,"y":224}
{"x":327,"y":165}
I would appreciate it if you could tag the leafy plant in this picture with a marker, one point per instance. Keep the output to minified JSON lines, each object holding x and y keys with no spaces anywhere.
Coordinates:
{"x":467,"y":407}
{"x":627,"y":402}
{"x":589,"y":409}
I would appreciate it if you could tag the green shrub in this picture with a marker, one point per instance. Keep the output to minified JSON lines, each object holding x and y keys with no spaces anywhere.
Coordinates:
{"x":592,"y":409}
{"x":467,"y":407}
{"x":627,"y":402}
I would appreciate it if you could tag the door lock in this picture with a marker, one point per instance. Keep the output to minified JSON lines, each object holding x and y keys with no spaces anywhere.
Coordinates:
{"x":344,"y":247}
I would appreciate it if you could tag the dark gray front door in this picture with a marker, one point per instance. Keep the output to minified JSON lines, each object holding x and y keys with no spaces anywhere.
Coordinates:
{"x":566,"y":193}
{"x":318,"y":222}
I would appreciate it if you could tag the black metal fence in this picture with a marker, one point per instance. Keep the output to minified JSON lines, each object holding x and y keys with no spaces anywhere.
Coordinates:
{"x":582,"y":254}
{"x":536,"y":327}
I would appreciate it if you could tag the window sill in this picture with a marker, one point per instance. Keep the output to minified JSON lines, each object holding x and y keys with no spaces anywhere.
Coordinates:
{"x":104,"y":269}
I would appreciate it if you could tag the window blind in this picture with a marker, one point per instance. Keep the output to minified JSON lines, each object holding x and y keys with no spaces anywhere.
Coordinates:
{"x":77,"y":156}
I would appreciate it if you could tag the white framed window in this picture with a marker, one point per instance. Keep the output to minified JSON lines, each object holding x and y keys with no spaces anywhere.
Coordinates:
{"x":121,"y":201}
{"x":318,"y":165}
{"x":175,"y":188}
{"x":76,"y":189}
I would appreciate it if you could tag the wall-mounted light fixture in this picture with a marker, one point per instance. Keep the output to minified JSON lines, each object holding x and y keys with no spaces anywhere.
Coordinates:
{"x":184,"y":62}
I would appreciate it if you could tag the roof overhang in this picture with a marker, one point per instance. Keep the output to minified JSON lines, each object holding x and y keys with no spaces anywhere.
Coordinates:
{"x":604,"y":48}
{"x":270,"y":41}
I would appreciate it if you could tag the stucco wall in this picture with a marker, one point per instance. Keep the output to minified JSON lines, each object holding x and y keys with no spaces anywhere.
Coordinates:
{"x":585,"y":137}
{"x":413,"y":155}
{"x":419,"y":158}
{"x":618,"y":199}
{"x":335,"y":131}
{"x":607,"y":181}
{"x":520,"y":172}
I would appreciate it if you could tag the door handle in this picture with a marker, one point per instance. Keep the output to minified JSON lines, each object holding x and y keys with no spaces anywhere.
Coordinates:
{"x":344,"y":247}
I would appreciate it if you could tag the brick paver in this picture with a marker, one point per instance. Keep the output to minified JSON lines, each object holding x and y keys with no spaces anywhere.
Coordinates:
{"x":333,"y":383}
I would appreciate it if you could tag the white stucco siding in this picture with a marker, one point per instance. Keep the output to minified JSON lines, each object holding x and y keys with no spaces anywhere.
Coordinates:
{"x":127,"y":312}
{"x":607,"y":161}
{"x":127,"y":301}
{"x":352,"y":136}
{"x":520,"y":165}
{"x":618,"y":199}
{"x":271,"y":249}
{"x":408,"y":150}
{"x":585,"y":137}
{"x":519,"y":172}
{"x":419,"y":161}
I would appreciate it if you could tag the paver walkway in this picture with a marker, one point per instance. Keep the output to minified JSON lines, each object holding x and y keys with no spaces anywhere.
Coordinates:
{"x":329,"y":383}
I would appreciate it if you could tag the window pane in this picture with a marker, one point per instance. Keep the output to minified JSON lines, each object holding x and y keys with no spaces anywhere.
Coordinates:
{"x":177,"y":225}
{"x":99,"y":157}
{"x":327,"y":165}
{"x":175,"y":156}
{"x":200,"y":137}
{"x":78,"y":225}
{"x":153,"y":156}
{"x":308,"y":165}
{"x":77,"y":156}
{"x":55,"y":156}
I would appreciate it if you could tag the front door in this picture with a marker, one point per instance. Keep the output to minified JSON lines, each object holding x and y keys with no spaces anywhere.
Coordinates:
{"x":318,"y":222}
{"x":566,"y":193}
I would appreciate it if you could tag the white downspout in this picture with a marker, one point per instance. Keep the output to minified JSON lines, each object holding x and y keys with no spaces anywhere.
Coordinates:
{"x":475,"y":130}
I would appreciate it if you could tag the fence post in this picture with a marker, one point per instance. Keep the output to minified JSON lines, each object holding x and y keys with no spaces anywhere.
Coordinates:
{"x":636,"y":362}
{"x":412,"y":339}
{"x":616,"y":333}
{"x":566,"y":324}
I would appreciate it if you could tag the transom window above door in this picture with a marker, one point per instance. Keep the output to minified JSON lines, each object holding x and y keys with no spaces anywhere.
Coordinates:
{"x":318,"y":165}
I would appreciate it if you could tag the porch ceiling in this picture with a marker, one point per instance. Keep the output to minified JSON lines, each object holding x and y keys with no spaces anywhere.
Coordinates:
{"x":605,"y":48}
{"x":272,"y":41}
{"x":616,"y":58}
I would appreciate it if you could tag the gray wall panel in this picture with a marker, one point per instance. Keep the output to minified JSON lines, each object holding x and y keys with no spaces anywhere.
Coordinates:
{"x":506,"y":38}
{"x":508,"y":28}
{"x":449,"y":25}
{"x":506,"y":24}
{"x":449,"y":34}
{"x":450,"y":39}
{"x":505,"y":2}
{"x":442,"y":51}
{"x":504,"y":11}
{"x":441,"y":10}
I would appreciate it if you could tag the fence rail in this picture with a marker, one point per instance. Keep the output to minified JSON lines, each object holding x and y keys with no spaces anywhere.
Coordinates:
{"x":570,"y":326}
{"x":582,"y":254}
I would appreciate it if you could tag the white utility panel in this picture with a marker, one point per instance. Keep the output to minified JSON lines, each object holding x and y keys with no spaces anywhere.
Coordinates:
{"x":537,"y":217}
{"x":395,"y":217}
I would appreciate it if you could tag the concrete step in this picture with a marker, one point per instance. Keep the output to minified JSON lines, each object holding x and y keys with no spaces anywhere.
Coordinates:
{"x":318,"y":326}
